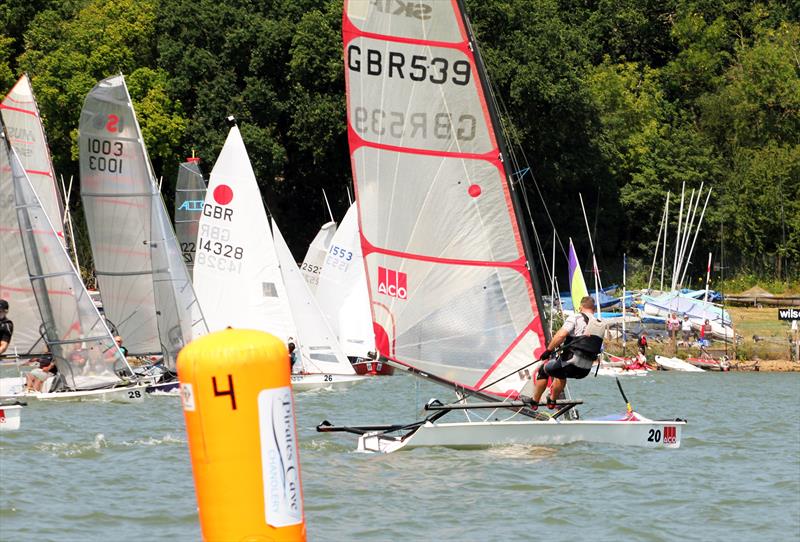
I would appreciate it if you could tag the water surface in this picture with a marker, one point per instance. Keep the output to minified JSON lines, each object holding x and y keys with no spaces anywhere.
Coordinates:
{"x":103,"y":471}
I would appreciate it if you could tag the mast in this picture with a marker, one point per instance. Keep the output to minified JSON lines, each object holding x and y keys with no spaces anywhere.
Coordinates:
{"x":501,"y":143}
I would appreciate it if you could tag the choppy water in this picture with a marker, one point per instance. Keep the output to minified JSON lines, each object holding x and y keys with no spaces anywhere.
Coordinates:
{"x":98,"y":472}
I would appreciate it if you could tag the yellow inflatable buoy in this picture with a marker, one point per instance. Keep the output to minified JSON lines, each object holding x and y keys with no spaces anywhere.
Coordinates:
{"x":239,"y":411}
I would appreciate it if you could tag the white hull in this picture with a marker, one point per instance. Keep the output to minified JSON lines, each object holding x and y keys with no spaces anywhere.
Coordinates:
{"x":675,"y":364}
{"x":606,"y":370}
{"x":10,"y":417}
{"x":640,"y":432}
{"x":13,"y":388}
{"x":321,"y":381}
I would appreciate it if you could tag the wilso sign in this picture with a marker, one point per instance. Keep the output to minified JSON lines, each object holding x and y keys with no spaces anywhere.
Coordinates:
{"x":792,"y":313}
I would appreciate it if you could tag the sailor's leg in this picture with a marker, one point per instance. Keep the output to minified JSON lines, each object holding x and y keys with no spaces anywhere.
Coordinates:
{"x":557,"y":387}
{"x":538,"y":388}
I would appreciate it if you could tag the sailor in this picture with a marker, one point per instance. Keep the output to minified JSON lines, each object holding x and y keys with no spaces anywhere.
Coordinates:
{"x":582,"y":336}
{"x":292,"y":355}
{"x":6,"y":326}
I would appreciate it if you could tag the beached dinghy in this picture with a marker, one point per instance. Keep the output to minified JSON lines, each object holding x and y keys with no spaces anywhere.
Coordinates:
{"x":452,"y":286}
{"x":90,"y":365}
{"x":676,"y":364}
{"x":245,"y":276}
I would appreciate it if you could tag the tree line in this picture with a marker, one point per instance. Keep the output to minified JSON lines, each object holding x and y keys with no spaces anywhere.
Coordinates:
{"x":618,"y":100}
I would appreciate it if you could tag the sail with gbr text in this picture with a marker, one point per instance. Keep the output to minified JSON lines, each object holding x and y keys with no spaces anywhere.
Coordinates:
{"x":449,"y":281}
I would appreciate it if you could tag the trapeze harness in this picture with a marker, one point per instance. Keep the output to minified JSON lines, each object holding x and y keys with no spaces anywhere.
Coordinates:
{"x":578,"y":353}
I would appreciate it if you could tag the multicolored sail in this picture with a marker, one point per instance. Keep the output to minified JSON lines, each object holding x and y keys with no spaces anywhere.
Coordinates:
{"x":26,"y":134}
{"x":577,"y":286}
{"x":190,"y":192}
{"x":81,"y":344}
{"x":449,"y":281}
{"x":15,"y":285}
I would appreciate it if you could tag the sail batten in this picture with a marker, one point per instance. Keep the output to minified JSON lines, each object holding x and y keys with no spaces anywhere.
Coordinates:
{"x":447,"y":270}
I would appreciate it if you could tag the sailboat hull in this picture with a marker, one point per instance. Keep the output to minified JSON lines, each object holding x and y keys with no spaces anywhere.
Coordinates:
{"x":13,"y":388}
{"x":321,"y":381}
{"x":676,"y":364}
{"x":10,"y":417}
{"x":640,"y":432}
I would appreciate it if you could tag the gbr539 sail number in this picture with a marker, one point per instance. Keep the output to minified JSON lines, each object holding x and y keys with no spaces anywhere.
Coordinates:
{"x":416,"y":68}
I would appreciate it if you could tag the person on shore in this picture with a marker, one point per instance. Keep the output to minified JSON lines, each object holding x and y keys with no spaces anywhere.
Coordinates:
{"x":582,"y":336}
{"x":6,"y":327}
{"x":642,"y":344}
{"x":686,"y":330}
{"x":705,"y":333}
{"x":673,"y":326}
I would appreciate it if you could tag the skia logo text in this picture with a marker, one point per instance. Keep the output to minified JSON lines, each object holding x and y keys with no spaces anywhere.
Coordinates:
{"x":408,"y":8}
{"x":392,"y":283}
{"x":191,"y":205}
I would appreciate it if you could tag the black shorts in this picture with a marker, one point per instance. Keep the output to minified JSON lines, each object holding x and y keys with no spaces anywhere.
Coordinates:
{"x":559,"y":368}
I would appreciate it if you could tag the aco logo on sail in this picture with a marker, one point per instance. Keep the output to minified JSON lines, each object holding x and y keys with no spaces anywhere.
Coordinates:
{"x":392,"y":283}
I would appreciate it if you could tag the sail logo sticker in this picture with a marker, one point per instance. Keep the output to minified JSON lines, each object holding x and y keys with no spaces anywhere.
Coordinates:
{"x":191,"y":205}
{"x":392,"y":283}
{"x":407,"y":8}
{"x":670,"y":434}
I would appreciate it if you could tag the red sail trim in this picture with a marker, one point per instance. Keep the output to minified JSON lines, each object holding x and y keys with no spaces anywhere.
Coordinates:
{"x":369,"y":248}
{"x":36,"y":172}
{"x":356,"y":142}
{"x":530,"y":327}
{"x":18,"y":110}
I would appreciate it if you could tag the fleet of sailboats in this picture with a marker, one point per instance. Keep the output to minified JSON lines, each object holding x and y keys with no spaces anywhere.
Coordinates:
{"x":430,"y":269}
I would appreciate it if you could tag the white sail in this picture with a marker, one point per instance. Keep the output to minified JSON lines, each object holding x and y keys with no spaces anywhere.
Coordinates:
{"x":315,"y":255}
{"x":319,"y":349}
{"x":145,"y":288}
{"x":82,"y":346}
{"x":27,"y":137}
{"x":190,"y":193}
{"x":15,"y":285}
{"x":236,"y":273}
{"x":449,"y":280}
{"x":342,"y":292}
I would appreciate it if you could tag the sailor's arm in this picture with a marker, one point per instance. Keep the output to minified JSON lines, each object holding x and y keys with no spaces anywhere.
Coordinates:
{"x":560,"y":336}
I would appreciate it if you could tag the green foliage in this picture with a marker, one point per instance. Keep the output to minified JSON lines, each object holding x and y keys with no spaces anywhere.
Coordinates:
{"x":619,"y":100}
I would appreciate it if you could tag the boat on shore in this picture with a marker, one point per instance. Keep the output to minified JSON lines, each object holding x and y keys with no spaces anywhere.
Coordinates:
{"x":676,"y":364}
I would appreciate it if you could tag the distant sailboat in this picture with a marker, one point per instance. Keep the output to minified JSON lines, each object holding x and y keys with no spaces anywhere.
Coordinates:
{"x":315,"y":255}
{"x":190,"y":192}
{"x":246,"y":278}
{"x":90,"y":365}
{"x":146,"y":290}
{"x":344,"y":299}
{"x":22,"y":121}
